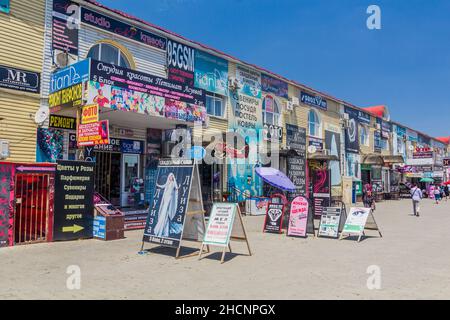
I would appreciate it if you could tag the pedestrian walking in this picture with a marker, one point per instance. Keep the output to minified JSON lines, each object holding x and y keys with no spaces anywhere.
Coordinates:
{"x":446,"y":192}
{"x":416,"y":196}
{"x":437,"y":194}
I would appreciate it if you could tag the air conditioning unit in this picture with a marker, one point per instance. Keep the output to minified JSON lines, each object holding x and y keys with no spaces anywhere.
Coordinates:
{"x":289,"y":106}
{"x":4,"y":149}
{"x":295,"y":101}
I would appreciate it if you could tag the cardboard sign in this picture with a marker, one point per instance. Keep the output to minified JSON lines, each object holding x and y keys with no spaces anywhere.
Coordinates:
{"x":93,"y":134}
{"x":329,"y":222}
{"x":220,"y":224}
{"x":89,"y":114}
{"x":274,"y":218}
{"x":356,"y":221}
{"x":298,"y":218}
{"x":74,"y":200}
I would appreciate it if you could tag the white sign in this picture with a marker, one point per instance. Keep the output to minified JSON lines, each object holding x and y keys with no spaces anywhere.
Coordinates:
{"x":356,"y":220}
{"x":220,"y":224}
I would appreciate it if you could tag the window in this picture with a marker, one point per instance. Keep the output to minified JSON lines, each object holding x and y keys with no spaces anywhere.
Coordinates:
{"x":109,"y":54}
{"x":363,"y":135}
{"x":4,"y":6}
{"x":271,"y":111}
{"x":314,"y":125}
{"x":385,"y":144}
{"x":215,"y":105}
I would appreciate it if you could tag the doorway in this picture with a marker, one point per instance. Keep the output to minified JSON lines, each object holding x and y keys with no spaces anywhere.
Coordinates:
{"x":131,"y":168}
{"x":107,"y":175}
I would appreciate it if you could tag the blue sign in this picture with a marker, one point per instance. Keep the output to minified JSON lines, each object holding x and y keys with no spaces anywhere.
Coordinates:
{"x":99,"y":230}
{"x":363,"y":117}
{"x":401,"y":132}
{"x":314,"y":101}
{"x":197,"y":153}
{"x":4,"y":6}
{"x":131,"y":146}
{"x":211,"y":73}
{"x":69,"y":76}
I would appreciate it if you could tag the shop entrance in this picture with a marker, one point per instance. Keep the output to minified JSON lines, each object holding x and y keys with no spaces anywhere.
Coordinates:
{"x":365,"y":176}
{"x":32,"y":208}
{"x":131,"y":186}
{"x":211,"y":177}
{"x":107,"y":175}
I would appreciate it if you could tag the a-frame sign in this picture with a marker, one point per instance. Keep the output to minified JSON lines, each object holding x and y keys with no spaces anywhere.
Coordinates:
{"x":176,"y":211}
{"x":358,"y":220}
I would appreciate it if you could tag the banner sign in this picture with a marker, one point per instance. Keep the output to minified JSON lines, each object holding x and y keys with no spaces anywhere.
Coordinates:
{"x":61,"y":122}
{"x":249,"y":82}
{"x":114,"y":145}
{"x":273,"y":85}
{"x":274,"y":218}
{"x":67,"y":98}
{"x":74,"y":74}
{"x":180,"y":63}
{"x":74,"y":200}
{"x":220,"y":224}
{"x":356,"y":220}
{"x":169,"y":203}
{"x":92,"y":134}
{"x":298,"y":218}
{"x":89,"y":114}
{"x":120,"y":28}
{"x":5,"y":6}
{"x":314,"y":101}
{"x":64,"y":38}
{"x":296,"y":138}
{"x":19,"y":79}
{"x":329,"y":222}
{"x":378,"y":145}
{"x":211,"y":73}
{"x":132,"y":146}
{"x":352,"y":132}
{"x":363,"y":117}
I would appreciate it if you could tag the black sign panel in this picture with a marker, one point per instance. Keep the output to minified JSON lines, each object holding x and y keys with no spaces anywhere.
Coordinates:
{"x":352,"y":131}
{"x":296,"y":138}
{"x":21,"y":80}
{"x":169,"y":202}
{"x":274,"y":218}
{"x":74,"y":200}
{"x":446,"y":162}
{"x":180,"y":63}
{"x":296,"y":171}
{"x":64,"y":38}
{"x":61,"y":122}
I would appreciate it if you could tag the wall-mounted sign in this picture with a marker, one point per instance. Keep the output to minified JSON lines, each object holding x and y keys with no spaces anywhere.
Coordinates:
{"x":92,"y":134}
{"x":296,"y":138}
{"x":89,"y":114}
{"x":314,"y":101}
{"x":63,"y":37}
{"x":298,"y":218}
{"x":4,"y":6}
{"x":273,"y":85}
{"x":211,"y":73}
{"x":446,"y":162}
{"x":296,"y":171}
{"x":316,"y":142}
{"x":61,"y":122}
{"x":67,"y":98}
{"x":132,"y":146}
{"x":272,"y":133}
{"x":114,"y":145}
{"x":352,"y":131}
{"x":70,"y":76}
{"x":249,"y":81}
{"x":6,"y":198}
{"x":378,"y":145}
{"x":180,"y":63}
{"x":274,"y":218}
{"x":19,"y":79}
{"x":363,"y":117}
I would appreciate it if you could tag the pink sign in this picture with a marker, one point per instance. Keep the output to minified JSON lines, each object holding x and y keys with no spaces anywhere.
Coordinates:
{"x":298,"y":218}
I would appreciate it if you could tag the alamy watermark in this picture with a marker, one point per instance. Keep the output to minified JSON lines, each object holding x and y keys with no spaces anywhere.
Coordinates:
{"x":374,"y":20}
{"x":73,"y":282}
{"x":374,"y":280}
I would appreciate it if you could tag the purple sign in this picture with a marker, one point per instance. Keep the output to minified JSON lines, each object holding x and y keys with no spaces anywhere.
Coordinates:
{"x":274,"y":85}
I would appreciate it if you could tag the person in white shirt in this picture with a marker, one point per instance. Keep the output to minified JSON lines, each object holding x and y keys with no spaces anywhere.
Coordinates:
{"x":416,"y":196}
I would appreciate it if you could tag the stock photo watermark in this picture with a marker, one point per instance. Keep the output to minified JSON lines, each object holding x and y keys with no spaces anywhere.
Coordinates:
{"x":73,"y":281}
{"x":374,"y":280}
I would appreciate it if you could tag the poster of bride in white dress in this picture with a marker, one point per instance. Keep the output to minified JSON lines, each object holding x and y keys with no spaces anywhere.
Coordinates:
{"x":168,"y":204}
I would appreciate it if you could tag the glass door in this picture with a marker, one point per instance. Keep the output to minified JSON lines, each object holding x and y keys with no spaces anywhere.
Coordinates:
{"x":130,"y":172}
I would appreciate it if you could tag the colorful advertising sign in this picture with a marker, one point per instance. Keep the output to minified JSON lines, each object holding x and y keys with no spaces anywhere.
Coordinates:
{"x":249,"y":82}
{"x":6,"y":204}
{"x":114,"y":145}
{"x":446,"y":162}
{"x":89,"y":114}
{"x":61,"y":122}
{"x":92,"y":134}
{"x":211,"y":73}
{"x":154,"y":142}
{"x":19,"y":79}
{"x":74,"y":74}
{"x":273,"y":85}
{"x":356,"y":220}
{"x":274,"y":218}
{"x":169,"y":203}
{"x":314,"y":101}
{"x":298,"y":218}
{"x":352,"y":131}
{"x":74,"y":200}
{"x":66,"y":98}
{"x":4,"y":6}
{"x":321,"y":188}
{"x":180,"y":63}
{"x":63,"y":37}
{"x":329,"y":222}
{"x":220,"y":224}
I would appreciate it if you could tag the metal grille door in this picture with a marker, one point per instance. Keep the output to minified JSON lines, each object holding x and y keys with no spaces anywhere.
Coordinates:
{"x":32,"y":208}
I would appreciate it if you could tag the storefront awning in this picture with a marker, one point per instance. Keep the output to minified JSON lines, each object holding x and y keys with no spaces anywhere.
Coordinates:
{"x":373,"y":159}
{"x":322,"y":156}
{"x":393,"y":159}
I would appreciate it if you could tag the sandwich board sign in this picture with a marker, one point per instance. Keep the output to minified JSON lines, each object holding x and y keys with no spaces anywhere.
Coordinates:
{"x":274,"y":218}
{"x":299,"y":218}
{"x":329,"y":222}
{"x":358,"y":220}
{"x":225,"y":224}
{"x":176,"y":207}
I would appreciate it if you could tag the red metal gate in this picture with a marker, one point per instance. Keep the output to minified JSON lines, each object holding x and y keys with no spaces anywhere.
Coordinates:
{"x":32,"y":211}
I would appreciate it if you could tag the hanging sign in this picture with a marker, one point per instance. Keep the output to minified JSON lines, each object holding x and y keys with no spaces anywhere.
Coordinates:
{"x":298,"y":218}
{"x":274,"y":218}
{"x":351,"y":133}
{"x":92,"y":134}
{"x":89,"y":114}
{"x":329,"y":222}
{"x":74,"y":200}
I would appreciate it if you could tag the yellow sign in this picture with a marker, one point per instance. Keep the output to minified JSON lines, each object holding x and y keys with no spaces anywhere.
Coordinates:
{"x":89,"y":114}
{"x":69,"y":97}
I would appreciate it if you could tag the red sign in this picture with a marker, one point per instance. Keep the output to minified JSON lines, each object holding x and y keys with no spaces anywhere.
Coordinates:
{"x":298,"y":219}
{"x":93,"y":134}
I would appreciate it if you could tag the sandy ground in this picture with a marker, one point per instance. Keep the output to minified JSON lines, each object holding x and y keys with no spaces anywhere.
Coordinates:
{"x":413,"y":257}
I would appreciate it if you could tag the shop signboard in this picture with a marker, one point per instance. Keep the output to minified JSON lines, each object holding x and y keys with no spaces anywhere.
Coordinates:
{"x":446,"y":162}
{"x":314,"y":101}
{"x":363,"y":117}
{"x":321,"y":189}
{"x":352,"y":131}
{"x":275,"y":86}
{"x":62,"y":122}
{"x":274,"y":218}
{"x":329,"y":222}
{"x":89,"y":114}
{"x":316,"y":142}
{"x":64,"y":38}
{"x":356,"y":220}
{"x":6,"y":200}
{"x":72,"y":75}
{"x":120,"y":28}
{"x":298,"y":217}
{"x":19,"y":79}
{"x":131,"y":146}
{"x":296,"y":171}
{"x":92,"y":134}
{"x":272,"y":133}
{"x":211,"y":73}
{"x":114,"y":145}
{"x":169,"y":202}
{"x":4,"y":6}
{"x":386,"y":129}
{"x":74,"y":200}
{"x":180,"y":63}
{"x":296,"y":138}
{"x":66,"y":98}
{"x":220,"y":224}
{"x":378,"y":145}
{"x":249,"y":82}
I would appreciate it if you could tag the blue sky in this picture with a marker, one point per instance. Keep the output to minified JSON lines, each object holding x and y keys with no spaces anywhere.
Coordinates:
{"x":326,"y":44}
